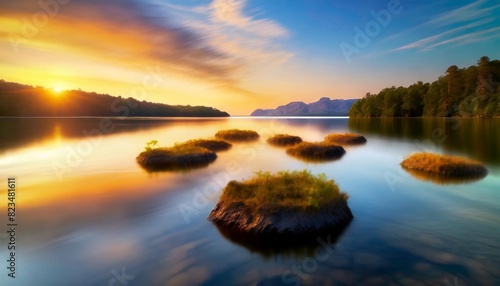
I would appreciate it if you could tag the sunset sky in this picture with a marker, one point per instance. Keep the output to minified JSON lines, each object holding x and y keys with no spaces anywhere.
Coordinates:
{"x":239,"y":55}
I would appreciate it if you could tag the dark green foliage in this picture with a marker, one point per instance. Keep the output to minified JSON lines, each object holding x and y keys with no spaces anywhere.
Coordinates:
{"x":24,"y":100}
{"x":497,"y":113}
{"x":413,"y":99}
{"x":466,"y":92}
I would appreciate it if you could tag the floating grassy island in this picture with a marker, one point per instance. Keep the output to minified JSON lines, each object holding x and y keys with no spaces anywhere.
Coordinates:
{"x":345,"y":138}
{"x":282,"y":205}
{"x":237,"y":135}
{"x":318,"y":151}
{"x":444,"y":166}
{"x":284,"y":140}
{"x":178,"y":157}
{"x":212,"y":145}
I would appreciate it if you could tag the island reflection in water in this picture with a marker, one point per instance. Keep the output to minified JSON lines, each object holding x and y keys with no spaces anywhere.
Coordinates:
{"x":308,"y":246}
{"x":443,"y":180}
{"x":105,"y":212}
{"x":476,"y":138}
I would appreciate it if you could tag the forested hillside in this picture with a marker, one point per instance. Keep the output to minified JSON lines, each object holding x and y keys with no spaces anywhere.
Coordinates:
{"x":24,"y":100}
{"x":465,"y":92}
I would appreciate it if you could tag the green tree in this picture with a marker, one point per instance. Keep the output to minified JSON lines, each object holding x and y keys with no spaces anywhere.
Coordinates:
{"x":472,"y":91}
{"x":413,"y":103}
{"x":393,"y":100}
{"x":369,"y":108}
{"x":455,"y":88}
{"x":355,"y":110}
{"x":432,"y":98}
{"x":483,"y":67}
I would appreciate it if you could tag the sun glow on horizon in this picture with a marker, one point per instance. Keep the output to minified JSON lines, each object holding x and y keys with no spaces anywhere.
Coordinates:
{"x":57,"y":90}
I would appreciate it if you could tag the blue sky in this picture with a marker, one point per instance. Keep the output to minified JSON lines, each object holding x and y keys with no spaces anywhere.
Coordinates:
{"x":418,"y":42}
{"x":239,"y":55}
{"x":427,"y":36}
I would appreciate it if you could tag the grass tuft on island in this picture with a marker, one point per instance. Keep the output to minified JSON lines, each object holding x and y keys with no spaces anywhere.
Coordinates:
{"x":287,"y":203}
{"x":316,"y":151}
{"x":444,"y":165}
{"x":212,"y":145}
{"x":284,"y":140}
{"x":237,"y":135}
{"x":178,"y":157}
{"x":284,"y":190}
{"x":345,"y":138}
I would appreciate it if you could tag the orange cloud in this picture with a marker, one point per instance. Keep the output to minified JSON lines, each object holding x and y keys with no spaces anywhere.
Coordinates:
{"x":107,"y":45}
{"x":117,"y":32}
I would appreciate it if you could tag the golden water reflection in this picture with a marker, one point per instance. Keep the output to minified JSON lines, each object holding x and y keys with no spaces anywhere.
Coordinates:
{"x":104,"y":212}
{"x":477,"y":138}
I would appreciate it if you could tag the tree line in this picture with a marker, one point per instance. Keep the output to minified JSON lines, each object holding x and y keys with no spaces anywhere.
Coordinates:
{"x":464,"y":92}
{"x":25,"y":100}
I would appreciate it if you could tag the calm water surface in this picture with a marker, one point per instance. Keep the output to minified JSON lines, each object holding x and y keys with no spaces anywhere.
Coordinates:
{"x":89,"y":215}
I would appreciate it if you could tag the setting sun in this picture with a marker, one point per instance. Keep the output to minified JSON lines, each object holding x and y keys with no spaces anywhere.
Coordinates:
{"x":57,"y":90}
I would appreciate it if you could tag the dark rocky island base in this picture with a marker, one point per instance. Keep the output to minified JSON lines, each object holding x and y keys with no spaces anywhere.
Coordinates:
{"x":287,"y":206}
{"x":294,"y":224}
{"x":345,"y":139}
{"x":444,"y":166}
{"x":295,"y":246}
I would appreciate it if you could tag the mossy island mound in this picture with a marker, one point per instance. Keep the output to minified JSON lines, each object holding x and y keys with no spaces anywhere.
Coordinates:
{"x":444,"y":166}
{"x":237,"y":135}
{"x":212,"y":145}
{"x":179,"y":157}
{"x":345,"y":139}
{"x":285,"y":205}
{"x":316,"y":151}
{"x":284,"y":140}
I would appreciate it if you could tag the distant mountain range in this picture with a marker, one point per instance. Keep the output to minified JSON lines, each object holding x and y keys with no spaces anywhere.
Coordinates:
{"x":323,"y":107}
{"x":25,"y":100}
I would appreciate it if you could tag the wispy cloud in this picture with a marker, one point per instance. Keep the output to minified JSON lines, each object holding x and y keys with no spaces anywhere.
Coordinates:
{"x":426,"y":41}
{"x":132,"y":36}
{"x":460,"y":26}
{"x":466,"y":13}
{"x":233,"y":31}
{"x":230,"y":12}
{"x":217,"y":43}
{"x":469,"y":38}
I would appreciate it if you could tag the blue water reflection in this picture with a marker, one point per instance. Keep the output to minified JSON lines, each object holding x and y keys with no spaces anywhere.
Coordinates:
{"x":107,"y":215}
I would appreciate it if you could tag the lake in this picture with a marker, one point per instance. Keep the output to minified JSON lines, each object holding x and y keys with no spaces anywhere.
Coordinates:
{"x":87,"y":214}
